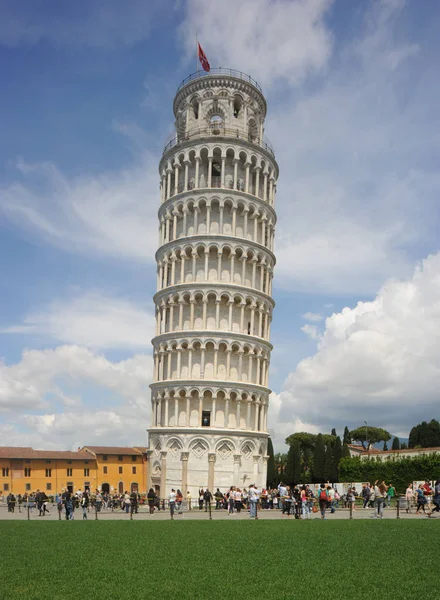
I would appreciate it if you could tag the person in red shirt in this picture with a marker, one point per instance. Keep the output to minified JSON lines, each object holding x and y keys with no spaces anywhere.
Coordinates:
{"x":427,"y":490}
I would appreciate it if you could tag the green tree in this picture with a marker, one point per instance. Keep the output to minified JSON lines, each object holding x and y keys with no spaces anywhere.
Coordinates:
{"x":337,"y":455}
{"x":403,"y":446}
{"x":333,"y":433}
{"x":367,"y":435}
{"x":293,"y":464}
{"x":385,"y":447}
{"x":347,"y":438}
{"x":425,"y":435}
{"x":396,"y":444}
{"x":345,"y":451}
{"x":318,"y":469}
{"x":271,"y":473}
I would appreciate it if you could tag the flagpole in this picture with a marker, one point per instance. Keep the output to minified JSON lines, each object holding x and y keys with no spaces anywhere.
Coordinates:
{"x":197,"y":54}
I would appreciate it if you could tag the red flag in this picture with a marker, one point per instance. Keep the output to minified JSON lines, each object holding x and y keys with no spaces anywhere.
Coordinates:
{"x":202,"y":58}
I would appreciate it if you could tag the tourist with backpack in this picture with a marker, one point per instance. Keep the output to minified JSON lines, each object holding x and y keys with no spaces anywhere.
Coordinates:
{"x":323,"y":500}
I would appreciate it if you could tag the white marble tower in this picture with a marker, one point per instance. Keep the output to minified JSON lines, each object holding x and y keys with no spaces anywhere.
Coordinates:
{"x":214,"y":307}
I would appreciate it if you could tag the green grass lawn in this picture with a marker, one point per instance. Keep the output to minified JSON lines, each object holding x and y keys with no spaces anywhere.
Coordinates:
{"x":218,"y":560}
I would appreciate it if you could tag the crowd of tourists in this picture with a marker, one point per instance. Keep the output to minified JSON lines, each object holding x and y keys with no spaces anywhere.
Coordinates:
{"x":299,"y":501}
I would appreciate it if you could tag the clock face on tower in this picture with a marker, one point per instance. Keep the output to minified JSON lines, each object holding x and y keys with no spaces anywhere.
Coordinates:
{"x":215,"y":266}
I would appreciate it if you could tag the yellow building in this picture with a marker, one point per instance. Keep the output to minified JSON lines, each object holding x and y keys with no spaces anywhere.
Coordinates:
{"x":112,"y":469}
{"x":119,"y":469}
{"x":27,"y":470}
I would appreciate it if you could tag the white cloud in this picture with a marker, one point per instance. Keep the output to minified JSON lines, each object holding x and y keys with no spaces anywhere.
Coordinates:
{"x":271,"y":40}
{"x":379,"y":361}
{"x":96,"y":24}
{"x":111,"y":214}
{"x":102,"y":401}
{"x":311,"y":330}
{"x":93,"y":320}
{"x":310,"y":316}
{"x":358,"y":190}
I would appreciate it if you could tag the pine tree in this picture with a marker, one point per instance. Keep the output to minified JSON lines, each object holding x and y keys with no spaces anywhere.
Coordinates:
{"x":403,"y":446}
{"x":396,"y":444}
{"x":319,"y":460}
{"x":385,"y":447}
{"x":270,"y":463}
{"x":347,"y":439}
{"x":334,"y":432}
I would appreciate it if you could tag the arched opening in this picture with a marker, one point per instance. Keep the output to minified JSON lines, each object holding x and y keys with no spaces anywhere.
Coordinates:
{"x":105,"y":488}
{"x":121,"y":487}
{"x":215,"y":124}
{"x":238,"y":102}
{"x":134,"y":487}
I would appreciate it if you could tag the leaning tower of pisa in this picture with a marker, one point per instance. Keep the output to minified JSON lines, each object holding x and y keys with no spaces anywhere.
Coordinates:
{"x":213,"y":302}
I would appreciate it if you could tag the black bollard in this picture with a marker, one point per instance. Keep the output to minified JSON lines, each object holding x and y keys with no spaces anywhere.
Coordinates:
{"x":351,"y":510}
{"x":28,"y":511}
{"x":210,"y":513}
{"x":96,"y":512}
{"x":398,"y":508}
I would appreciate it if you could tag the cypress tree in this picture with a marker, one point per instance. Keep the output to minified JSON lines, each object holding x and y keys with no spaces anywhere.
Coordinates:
{"x":385,"y":447}
{"x":337,"y":455}
{"x":293,"y":464}
{"x":270,"y":463}
{"x":319,"y":460}
{"x":396,"y":444}
{"x":347,"y":439}
{"x":334,"y":432}
{"x":345,"y":451}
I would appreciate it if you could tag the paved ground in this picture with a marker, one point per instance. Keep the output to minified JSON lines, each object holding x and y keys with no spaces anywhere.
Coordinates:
{"x":195,"y":514}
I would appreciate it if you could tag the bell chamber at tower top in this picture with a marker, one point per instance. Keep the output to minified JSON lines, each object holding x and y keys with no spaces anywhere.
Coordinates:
{"x":219,"y":138}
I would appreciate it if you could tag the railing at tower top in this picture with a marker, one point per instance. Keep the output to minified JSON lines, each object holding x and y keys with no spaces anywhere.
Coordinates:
{"x":218,"y":130}
{"x":220,"y":71}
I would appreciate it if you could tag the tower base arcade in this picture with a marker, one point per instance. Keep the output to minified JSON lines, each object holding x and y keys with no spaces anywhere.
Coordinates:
{"x":191,"y":460}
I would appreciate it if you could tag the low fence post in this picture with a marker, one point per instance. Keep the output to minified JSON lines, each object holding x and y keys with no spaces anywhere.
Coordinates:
{"x":210,"y":513}
{"x":28,"y":512}
{"x":351,"y":510}
{"x":398,"y":507}
{"x":96,"y":512}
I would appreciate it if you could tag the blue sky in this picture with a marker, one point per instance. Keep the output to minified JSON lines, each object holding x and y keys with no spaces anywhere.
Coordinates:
{"x":85,"y":109}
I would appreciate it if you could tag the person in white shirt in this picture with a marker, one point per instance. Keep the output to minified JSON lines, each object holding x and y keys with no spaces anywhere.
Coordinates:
{"x":172,"y":501}
{"x":253,"y":499}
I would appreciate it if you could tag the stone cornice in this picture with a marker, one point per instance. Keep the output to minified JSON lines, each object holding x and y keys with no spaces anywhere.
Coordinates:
{"x":221,"y":193}
{"x":218,"y":140}
{"x":212,"y":285}
{"x":209,"y":238}
{"x":216,"y":334}
{"x":211,"y":383}
{"x":176,"y":431}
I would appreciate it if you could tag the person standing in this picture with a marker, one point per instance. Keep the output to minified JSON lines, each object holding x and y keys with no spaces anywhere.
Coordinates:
{"x":428,"y":494}
{"x":85,"y":505}
{"x":151,"y":499}
{"x":366,"y":494}
{"x":409,"y":495}
{"x":421,"y":499}
{"x":391,"y":492}
{"x":253,"y":499}
{"x":323,"y":499}
{"x":172,"y":502}
{"x":207,"y":497}
{"x":126,"y":502}
{"x":436,"y":497}
{"x":238,"y":497}
{"x":134,"y":502}
{"x":201,"y":498}
{"x":231,"y":500}
{"x":188,"y":500}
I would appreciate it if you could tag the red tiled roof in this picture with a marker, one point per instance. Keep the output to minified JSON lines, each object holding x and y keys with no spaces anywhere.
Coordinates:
{"x":376,"y":451}
{"x":27,"y":452}
{"x":113,"y":450}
